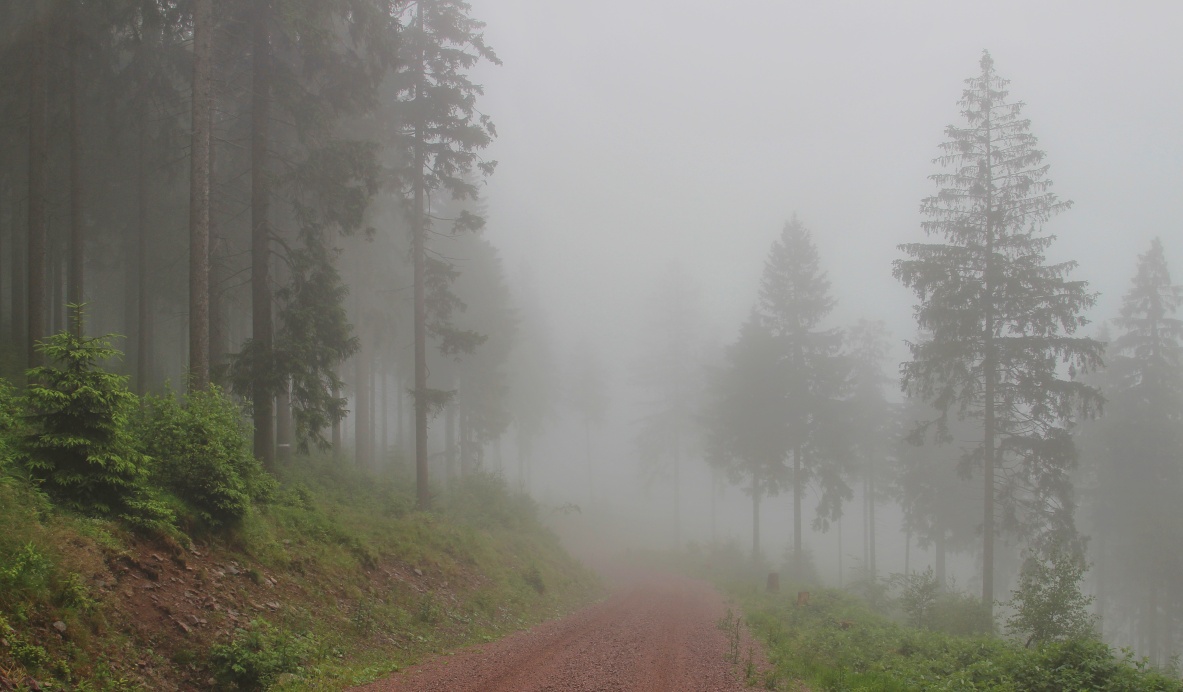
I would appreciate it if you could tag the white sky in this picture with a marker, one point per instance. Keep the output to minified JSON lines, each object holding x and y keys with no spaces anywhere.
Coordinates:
{"x":636,"y":132}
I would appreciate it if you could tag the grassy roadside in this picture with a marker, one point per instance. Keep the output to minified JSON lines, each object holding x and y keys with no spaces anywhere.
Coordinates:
{"x":335,"y":581}
{"x":837,"y":642}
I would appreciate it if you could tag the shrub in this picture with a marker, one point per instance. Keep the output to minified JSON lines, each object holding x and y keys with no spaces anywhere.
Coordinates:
{"x":79,"y":445}
{"x":257,"y":656}
{"x":1048,"y":605}
{"x":202,"y":454}
{"x":918,"y":596}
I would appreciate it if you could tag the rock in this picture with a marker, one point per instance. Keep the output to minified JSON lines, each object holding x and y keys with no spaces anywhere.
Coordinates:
{"x":418,"y":572}
{"x":60,"y":626}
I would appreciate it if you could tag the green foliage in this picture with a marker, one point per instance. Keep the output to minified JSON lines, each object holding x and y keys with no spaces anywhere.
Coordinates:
{"x":257,"y":656}
{"x":484,"y":499}
{"x":24,"y":575}
{"x":202,"y":453}
{"x":961,"y":614}
{"x":1048,"y":605}
{"x":836,"y":643}
{"x":918,"y":597}
{"x":78,"y":444}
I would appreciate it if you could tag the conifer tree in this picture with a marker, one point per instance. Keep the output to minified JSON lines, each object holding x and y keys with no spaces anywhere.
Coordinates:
{"x":1002,"y":320}
{"x":441,"y":137}
{"x":1138,"y":463}
{"x":794,"y":299}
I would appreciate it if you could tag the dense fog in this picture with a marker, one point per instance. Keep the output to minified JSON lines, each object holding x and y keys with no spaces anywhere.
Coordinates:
{"x":595,"y":307}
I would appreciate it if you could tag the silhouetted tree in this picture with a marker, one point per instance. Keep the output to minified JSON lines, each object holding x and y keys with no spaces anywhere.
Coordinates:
{"x":1001,"y":318}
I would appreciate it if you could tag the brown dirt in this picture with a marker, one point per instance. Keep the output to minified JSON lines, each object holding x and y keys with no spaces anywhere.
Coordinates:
{"x":656,"y":632}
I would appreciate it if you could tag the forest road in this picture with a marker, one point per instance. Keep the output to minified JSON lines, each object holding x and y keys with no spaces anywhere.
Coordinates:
{"x":656,"y":632}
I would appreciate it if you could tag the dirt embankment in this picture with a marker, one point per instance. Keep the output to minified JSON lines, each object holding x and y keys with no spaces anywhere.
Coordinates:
{"x":656,"y":632}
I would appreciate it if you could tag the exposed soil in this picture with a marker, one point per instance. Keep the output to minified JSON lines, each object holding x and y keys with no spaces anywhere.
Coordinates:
{"x":655,"y":632}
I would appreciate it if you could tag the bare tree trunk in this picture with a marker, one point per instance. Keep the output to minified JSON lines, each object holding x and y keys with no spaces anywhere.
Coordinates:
{"x":76,"y":279}
{"x":144,"y":313}
{"x":755,"y":519}
{"x":362,"y":435}
{"x":283,"y":424}
{"x":939,"y":547}
{"x":199,"y":199}
{"x":871,"y":525}
{"x":419,"y":262}
{"x":384,"y":379}
{"x":336,"y":428}
{"x":990,"y":374}
{"x":261,"y":325}
{"x":451,"y":447}
{"x":38,"y":189}
{"x":798,"y":498}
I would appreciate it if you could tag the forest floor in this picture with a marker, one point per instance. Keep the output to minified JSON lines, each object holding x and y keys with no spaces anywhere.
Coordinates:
{"x":657,"y":631}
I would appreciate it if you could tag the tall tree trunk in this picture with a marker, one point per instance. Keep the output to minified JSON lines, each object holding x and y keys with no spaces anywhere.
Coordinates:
{"x":75,"y":293}
{"x":18,"y":297}
{"x":144,"y":313}
{"x":199,"y":199}
{"x":283,"y":424}
{"x":451,"y":447}
{"x":990,"y":374}
{"x":419,"y":264}
{"x":798,"y":498}
{"x":871,"y":524}
{"x":336,"y":427}
{"x":677,"y":487}
{"x":38,"y":189}
{"x":755,"y":519}
{"x":939,"y":548}
{"x":362,"y":435}
{"x":261,"y":325}
{"x":384,"y":408}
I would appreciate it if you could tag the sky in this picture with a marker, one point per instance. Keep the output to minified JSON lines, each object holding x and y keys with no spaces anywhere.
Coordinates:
{"x":636,"y":134}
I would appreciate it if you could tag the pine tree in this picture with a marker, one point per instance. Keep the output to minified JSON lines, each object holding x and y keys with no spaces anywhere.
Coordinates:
{"x":747,"y":437}
{"x":442,"y":136}
{"x":794,"y":299}
{"x":1138,"y":463}
{"x":871,"y":422}
{"x":1002,"y":319}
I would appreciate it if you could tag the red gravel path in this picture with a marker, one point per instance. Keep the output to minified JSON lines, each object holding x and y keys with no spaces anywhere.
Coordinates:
{"x":654,"y":633}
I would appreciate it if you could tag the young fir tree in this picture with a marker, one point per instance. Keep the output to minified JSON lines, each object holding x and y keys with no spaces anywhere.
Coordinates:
{"x":1002,"y":319}
{"x":1137,"y":532}
{"x":794,"y":300}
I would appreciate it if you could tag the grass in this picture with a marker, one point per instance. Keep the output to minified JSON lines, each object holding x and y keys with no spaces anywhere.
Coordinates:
{"x":365,"y":584}
{"x":838,"y":643}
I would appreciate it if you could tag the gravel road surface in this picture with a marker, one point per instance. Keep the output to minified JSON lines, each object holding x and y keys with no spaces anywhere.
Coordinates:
{"x":654,"y":633}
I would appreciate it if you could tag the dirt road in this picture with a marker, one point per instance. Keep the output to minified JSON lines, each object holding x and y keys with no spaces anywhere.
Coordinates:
{"x":654,"y":633}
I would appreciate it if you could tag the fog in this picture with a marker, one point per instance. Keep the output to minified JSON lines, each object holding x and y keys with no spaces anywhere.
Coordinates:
{"x":638,"y":134}
{"x":655,"y":160}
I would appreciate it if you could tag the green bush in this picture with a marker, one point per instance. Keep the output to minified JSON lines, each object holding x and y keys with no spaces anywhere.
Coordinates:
{"x":960,"y":614}
{"x":202,"y":453}
{"x":257,"y":656}
{"x":1048,"y":604}
{"x":78,"y":444}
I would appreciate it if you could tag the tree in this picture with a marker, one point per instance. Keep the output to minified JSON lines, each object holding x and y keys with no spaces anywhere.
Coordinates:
{"x":671,"y":374}
{"x":441,"y":139}
{"x":794,"y":299}
{"x":587,"y":393}
{"x":199,"y":345}
{"x":747,"y":437}
{"x":1137,"y":465}
{"x":1048,"y":604}
{"x":1002,"y":319}
{"x":871,"y":422}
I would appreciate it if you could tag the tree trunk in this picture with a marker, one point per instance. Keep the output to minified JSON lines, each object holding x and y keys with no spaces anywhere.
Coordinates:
{"x":384,"y":449}
{"x":199,"y":199}
{"x":144,"y":325}
{"x":38,"y":189}
{"x":362,"y":435}
{"x":283,"y":424}
{"x":871,"y":525}
{"x":989,"y":373}
{"x":798,"y":498}
{"x":939,"y":548}
{"x":755,"y":520}
{"x":336,"y":427}
{"x":451,"y":448}
{"x":419,"y":264}
{"x":677,"y":488}
{"x":75,"y":293}
{"x":261,"y":326}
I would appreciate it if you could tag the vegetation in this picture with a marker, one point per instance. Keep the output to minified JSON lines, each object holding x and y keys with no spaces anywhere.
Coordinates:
{"x":356,"y":582}
{"x":838,"y":642}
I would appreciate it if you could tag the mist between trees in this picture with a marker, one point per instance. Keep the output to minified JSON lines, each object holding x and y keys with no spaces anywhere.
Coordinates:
{"x":286,"y":198}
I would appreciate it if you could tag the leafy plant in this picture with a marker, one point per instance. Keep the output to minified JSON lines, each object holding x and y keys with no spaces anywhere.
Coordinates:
{"x":918,"y":596}
{"x":203,"y":454}
{"x":79,"y":445}
{"x":1048,"y":605}
{"x":257,"y":656}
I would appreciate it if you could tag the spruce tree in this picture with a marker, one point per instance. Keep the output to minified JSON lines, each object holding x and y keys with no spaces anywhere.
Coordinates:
{"x":1002,"y":320}
{"x":794,"y":300}
{"x":1138,"y":465}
